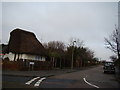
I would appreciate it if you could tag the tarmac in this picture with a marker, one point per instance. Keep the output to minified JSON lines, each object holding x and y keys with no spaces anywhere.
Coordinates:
{"x":41,"y":73}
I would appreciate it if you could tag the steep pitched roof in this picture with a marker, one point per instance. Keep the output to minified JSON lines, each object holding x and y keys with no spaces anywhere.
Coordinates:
{"x":22,"y":41}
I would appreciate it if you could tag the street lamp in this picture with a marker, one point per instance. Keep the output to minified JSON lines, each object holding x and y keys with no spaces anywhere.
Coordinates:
{"x":72,"y":55}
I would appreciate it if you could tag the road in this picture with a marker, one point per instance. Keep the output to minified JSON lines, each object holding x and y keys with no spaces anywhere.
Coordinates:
{"x":90,"y":78}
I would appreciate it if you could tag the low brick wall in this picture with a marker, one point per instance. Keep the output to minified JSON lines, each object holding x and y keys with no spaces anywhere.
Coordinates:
{"x":9,"y":65}
{"x":47,"y":65}
{"x":20,"y":65}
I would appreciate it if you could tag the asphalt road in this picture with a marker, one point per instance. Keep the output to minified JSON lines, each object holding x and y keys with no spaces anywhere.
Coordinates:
{"x":90,"y":78}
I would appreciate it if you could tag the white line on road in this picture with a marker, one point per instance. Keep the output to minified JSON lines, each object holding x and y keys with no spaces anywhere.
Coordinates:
{"x":31,"y":80}
{"x":39,"y":81}
{"x":90,"y":83}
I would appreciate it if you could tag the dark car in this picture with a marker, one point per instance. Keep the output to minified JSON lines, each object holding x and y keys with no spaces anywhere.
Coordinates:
{"x":109,"y":67}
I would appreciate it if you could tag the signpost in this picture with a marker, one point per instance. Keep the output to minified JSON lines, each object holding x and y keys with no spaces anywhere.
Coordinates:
{"x":31,"y":66}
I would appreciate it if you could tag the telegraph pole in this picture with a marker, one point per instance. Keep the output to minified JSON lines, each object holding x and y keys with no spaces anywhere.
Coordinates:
{"x":72,"y":55}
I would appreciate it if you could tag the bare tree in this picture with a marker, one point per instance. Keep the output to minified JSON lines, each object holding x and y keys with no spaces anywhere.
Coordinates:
{"x":113,"y":43}
{"x":78,"y":42}
{"x":113,"y":58}
{"x":56,"y":45}
{"x":56,"y":51}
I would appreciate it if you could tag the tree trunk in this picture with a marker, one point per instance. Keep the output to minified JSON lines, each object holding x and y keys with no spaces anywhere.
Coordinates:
{"x":14,"y":56}
{"x":60,"y":63}
{"x":18,"y":56}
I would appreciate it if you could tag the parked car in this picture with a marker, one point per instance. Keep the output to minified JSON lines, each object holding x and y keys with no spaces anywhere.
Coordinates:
{"x":109,"y":67}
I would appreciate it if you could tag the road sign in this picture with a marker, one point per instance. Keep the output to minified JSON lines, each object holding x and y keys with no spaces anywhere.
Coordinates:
{"x":32,"y":63}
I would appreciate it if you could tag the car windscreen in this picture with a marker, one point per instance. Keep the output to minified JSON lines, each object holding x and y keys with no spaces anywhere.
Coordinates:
{"x":108,"y":63}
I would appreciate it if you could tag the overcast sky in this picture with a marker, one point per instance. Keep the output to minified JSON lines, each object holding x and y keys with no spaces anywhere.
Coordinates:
{"x":50,"y":21}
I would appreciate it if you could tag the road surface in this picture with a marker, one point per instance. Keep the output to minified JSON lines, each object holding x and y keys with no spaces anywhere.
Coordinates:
{"x":90,"y":78}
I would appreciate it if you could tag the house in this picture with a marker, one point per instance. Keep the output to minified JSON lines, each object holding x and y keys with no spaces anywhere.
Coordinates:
{"x":24,"y":46}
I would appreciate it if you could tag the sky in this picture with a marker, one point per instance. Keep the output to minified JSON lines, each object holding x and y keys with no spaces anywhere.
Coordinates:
{"x":90,"y":22}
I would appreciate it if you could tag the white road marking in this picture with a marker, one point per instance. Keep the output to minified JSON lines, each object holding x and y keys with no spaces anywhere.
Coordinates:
{"x":39,"y":81}
{"x":90,"y":83}
{"x":31,"y":80}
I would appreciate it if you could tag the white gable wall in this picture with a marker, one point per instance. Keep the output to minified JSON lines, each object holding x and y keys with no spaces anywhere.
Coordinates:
{"x":24,"y":56}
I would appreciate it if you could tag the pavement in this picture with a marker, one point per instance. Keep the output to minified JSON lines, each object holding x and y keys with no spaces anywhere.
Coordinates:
{"x":42,"y":73}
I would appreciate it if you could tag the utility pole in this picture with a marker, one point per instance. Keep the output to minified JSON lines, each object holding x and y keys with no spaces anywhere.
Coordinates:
{"x":72,"y":55}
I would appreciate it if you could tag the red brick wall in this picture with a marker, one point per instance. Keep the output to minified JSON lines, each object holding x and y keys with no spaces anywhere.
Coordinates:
{"x":10,"y":65}
{"x":19,"y":65}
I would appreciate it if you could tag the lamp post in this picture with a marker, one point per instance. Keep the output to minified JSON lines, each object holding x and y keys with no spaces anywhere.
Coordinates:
{"x":72,"y":55}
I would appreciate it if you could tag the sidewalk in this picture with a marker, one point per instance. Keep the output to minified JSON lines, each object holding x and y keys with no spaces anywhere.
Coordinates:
{"x":42,"y":73}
